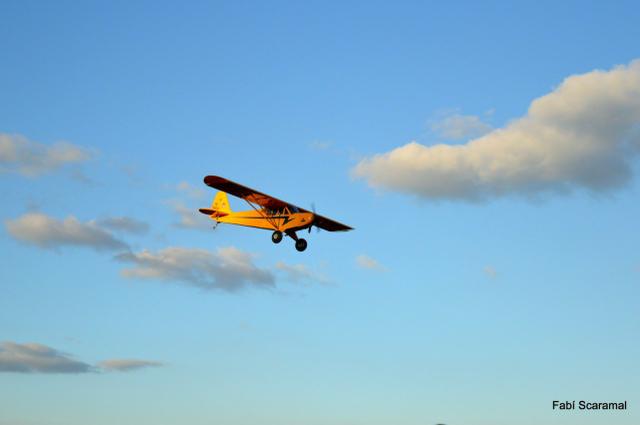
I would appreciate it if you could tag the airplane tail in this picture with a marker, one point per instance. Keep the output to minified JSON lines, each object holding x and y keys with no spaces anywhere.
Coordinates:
{"x":219,"y":206}
{"x":221,"y":203}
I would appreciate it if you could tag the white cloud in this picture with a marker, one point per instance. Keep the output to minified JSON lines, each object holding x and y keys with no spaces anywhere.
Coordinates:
{"x":366,"y":262}
{"x":490,"y":271}
{"x":126,"y":365}
{"x":584,"y":134}
{"x":457,"y":127}
{"x":79,"y":175}
{"x":319,"y":145}
{"x":191,"y":191}
{"x":21,"y":155}
{"x":132,"y":172}
{"x":124,"y":224}
{"x":299,"y":273}
{"x":190,"y":218}
{"x":47,"y":232}
{"x":38,"y":358}
{"x":228,"y":269}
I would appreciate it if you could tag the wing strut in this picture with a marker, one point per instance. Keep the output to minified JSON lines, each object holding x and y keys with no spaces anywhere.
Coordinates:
{"x":260,"y":211}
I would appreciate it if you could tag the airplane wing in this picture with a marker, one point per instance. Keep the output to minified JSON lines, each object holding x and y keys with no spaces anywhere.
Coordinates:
{"x":330,"y":225}
{"x":269,"y":202}
{"x":249,"y":194}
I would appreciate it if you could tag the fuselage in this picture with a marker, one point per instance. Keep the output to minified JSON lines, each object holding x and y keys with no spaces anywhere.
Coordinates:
{"x":270,"y":220}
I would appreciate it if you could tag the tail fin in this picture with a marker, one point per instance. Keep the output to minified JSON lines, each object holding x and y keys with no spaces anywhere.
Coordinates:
{"x":219,"y":206}
{"x":221,"y":203}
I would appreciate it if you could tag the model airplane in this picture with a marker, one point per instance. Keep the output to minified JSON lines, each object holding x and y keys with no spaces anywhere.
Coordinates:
{"x":266,"y":212}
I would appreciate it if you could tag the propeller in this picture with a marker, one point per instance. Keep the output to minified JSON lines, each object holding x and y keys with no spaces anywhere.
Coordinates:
{"x":313,"y":209}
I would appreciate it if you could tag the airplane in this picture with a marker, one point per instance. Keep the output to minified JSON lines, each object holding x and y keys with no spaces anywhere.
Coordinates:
{"x":267,"y":213}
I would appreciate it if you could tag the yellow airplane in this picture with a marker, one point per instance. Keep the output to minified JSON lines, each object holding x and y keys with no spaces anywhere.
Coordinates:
{"x":267,"y":212}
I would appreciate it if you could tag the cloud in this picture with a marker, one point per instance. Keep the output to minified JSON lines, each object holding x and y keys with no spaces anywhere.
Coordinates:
{"x":41,"y":230}
{"x":127,"y":365}
{"x":366,"y":262}
{"x":299,"y":273}
{"x":584,"y":134}
{"x":38,"y":358}
{"x":124,"y":224}
{"x":132,"y":172}
{"x":21,"y":155}
{"x":78,"y":175}
{"x":458,"y":127}
{"x":490,"y":271}
{"x":228,"y":269}
{"x":318,"y":145}
{"x":190,"y":218}
{"x":191,"y":191}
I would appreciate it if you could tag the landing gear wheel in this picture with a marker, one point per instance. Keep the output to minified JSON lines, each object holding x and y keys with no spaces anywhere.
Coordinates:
{"x":301,"y":245}
{"x":276,"y":237}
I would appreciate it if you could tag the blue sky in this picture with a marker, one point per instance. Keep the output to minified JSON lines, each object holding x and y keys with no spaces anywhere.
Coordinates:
{"x":494,"y":266}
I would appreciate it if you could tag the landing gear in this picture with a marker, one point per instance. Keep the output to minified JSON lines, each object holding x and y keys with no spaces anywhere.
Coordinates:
{"x":276,"y":237}
{"x":301,"y":245}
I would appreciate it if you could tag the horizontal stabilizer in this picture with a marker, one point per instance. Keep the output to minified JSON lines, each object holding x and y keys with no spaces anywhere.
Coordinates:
{"x":210,"y":212}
